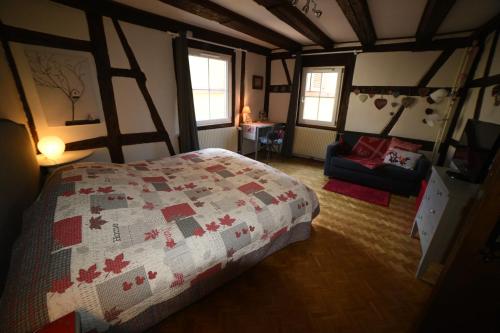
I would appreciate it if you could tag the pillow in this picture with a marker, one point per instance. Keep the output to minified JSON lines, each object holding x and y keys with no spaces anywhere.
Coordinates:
{"x":402,"y":158}
{"x":404,"y":145}
{"x":370,"y":147}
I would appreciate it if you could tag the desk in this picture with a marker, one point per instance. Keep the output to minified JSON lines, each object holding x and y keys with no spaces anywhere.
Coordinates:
{"x":252,"y":132}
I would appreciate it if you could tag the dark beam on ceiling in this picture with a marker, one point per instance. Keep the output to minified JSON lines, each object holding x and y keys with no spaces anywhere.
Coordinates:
{"x":292,"y":16}
{"x":228,"y":18}
{"x":358,"y":15}
{"x":136,"y":16}
{"x":434,"y":13}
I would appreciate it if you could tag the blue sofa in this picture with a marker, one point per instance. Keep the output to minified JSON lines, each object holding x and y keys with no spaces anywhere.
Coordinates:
{"x":389,"y":178}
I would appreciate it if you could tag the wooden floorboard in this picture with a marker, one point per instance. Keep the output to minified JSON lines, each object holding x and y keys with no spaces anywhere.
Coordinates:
{"x":355,"y":274}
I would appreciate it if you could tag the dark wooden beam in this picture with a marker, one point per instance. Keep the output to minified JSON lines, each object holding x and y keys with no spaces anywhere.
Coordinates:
{"x":93,"y":143}
{"x":26,"y":36}
{"x":488,"y":27}
{"x":103,"y":66}
{"x":136,"y":16}
{"x":358,"y":15}
{"x":487,"y":68}
{"x":389,"y":90}
{"x":141,"y":82}
{"x":292,"y":16}
{"x":267,"y":86}
{"x":242,"y":81}
{"x":485,"y":81}
{"x":287,"y":72}
{"x":434,"y":13}
{"x":20,"y":90}
{"x":436,"y":65}
{"x":438,"y":44}
{"x":214,"y":12}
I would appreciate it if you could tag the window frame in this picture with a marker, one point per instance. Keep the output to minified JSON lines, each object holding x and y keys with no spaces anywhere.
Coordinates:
{"x":330,"y":125}
{"x":203,"y":49}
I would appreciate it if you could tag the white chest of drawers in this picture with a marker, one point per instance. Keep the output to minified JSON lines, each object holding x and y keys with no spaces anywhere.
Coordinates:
{"x":439,"y":215}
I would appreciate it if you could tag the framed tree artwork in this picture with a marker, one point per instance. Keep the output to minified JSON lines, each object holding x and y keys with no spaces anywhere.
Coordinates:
{"x":62,"y":83}
{"x":257,"y":82}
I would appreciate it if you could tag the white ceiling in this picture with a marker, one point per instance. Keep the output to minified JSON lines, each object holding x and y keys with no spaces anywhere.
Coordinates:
{"x":391,"y":18}
{"x":469,"y":14}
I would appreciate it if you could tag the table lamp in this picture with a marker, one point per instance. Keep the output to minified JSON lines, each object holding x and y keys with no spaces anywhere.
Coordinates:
{"x":52,"y":147}
{"x":247,"y":115}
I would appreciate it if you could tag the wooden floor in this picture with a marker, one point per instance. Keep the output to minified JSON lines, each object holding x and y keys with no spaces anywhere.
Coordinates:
{"x":355,"y":274}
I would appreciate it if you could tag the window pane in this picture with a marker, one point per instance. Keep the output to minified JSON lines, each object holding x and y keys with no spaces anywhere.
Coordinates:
{"x":198,"y":66}
{"x":325,"y":112}
{"x":217,"y":74}
{"x":218,"y":104}
{"x":329,"y":84}
{"x":201,"y":104}
{"x":314,"y":80}
{"x":310,"y":108}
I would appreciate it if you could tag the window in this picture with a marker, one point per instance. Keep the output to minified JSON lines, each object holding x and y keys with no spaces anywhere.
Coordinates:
{"x":321,"y":87}
{"x":210,"y":78}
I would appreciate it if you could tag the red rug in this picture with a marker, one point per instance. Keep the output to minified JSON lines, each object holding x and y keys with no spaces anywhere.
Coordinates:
{"x":360,"y":192}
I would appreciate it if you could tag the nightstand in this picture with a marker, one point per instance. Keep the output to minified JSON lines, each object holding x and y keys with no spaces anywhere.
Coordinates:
{"x":70,"y":323}
{"x":67,"y":157}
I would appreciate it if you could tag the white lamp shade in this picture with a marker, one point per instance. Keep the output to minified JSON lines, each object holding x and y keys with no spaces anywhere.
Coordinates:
{"x":438,"y":95}
{"x":246,"y":109}
{"x":51,"y":146}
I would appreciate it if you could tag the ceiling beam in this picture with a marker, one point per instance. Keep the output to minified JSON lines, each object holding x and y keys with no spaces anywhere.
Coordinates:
{"x":146,"y":19}
{"x":485,"y":29}
{"x":358,"y":15}
{"x":292,"y":16}
{"x":214,"y":12}
{"x":434,"y":14}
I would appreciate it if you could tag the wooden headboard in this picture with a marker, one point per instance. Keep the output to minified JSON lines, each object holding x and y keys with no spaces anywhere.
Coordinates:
{"x":19,"y":186}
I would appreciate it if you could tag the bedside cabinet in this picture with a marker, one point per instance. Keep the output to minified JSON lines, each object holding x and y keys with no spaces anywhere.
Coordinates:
{"x":439,"y":215}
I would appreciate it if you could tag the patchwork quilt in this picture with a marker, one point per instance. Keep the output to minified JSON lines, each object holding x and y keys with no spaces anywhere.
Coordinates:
{"x":131,"y":243}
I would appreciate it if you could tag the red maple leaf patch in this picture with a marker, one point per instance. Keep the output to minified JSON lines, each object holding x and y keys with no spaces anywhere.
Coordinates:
{"x":148,"y":205}
{"x":107,"y":189}
{"x":88,"y":275}
{"x":153,"y":234}
{"x":115,"y":265}
{"x":212,"y":226}
{"x":86,"y":190}
{"x":95,"y":209}
{"x":178,"y":280}
{"x":199,"y":231}
{"x":60,"y":285}
{"x":97,"y":222}
{"x":139,"y":280}
{"x":190,"y":185}
{"x":127,"y":285}
{"x":291,"y":195}
{"x":283,"y":197}
{"x":112,"y":314}
{"x":152,"y":275}
{"x":170,"y":243}
{"x":68,"y":193}
{"x":227,"y":220}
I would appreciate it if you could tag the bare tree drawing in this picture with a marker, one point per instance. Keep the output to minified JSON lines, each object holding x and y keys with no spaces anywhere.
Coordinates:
{"x":48,"y":71}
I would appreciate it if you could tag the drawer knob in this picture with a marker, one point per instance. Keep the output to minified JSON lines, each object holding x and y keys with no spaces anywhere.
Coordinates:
{"x":432,"y":211}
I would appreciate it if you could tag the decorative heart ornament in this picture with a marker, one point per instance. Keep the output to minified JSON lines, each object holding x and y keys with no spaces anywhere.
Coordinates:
{"x":496,"y":90}
{"x":356,"y":91}
{"x":363,"y":98}
{"x":394,"y":104}
{"x":380,"y":103}
{"x":395,"y":93}
{"x":408,"y":101}
{"x":371,"y":95}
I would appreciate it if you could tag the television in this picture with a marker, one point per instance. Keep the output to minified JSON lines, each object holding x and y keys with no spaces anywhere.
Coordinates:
{"x":475,"y":150}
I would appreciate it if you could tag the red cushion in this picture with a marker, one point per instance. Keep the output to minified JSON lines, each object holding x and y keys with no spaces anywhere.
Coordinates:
{"x":370,"y":147}
{"x":370,"y":163}
{"x":404,"y":145}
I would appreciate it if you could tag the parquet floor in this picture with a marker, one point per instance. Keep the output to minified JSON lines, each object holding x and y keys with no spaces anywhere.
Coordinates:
{"x":355,"y":274}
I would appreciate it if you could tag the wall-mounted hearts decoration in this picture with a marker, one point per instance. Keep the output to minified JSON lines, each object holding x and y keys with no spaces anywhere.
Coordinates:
{"x":380,"y":103}
{"x":391,"y":113}
{"x":430,"y":100}
{"x":423,"y":92}
{"x":357,"y":91}
{"x":396,"y":94}
{"x":363,"y":98}
{"x":496,"y":90}
{"x":394,"y":104}
{"x":429,"y":111}
{"x":371,"y":95}
{"x":408,"y":101}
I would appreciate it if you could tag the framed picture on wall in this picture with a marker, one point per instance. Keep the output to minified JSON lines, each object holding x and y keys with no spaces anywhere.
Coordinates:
{"x":257,"y":82}
{"x":65,"y":82}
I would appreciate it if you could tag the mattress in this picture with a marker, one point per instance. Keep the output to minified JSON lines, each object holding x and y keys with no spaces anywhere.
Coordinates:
{"x":126,"y":245}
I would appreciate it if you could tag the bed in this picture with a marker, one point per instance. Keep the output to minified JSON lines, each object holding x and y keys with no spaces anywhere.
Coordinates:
{"x":126,"y":245}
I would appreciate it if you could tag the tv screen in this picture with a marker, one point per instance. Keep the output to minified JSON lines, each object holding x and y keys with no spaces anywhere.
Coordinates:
{"x":476,"y":149}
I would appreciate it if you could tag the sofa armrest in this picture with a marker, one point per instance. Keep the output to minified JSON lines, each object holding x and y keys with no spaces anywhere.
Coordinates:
{"x":334,"y":149}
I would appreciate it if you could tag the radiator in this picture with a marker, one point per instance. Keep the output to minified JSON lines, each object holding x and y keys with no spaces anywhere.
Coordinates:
{"x":226,"y":137}
{"x":312,"y":142}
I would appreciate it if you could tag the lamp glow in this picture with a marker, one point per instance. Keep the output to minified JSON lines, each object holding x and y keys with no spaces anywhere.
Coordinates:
{"x":51,"y":146}
{"x":247,"y":114}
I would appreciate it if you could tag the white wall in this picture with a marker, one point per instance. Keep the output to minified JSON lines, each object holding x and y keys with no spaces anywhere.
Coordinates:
{"x":153,"y":50}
